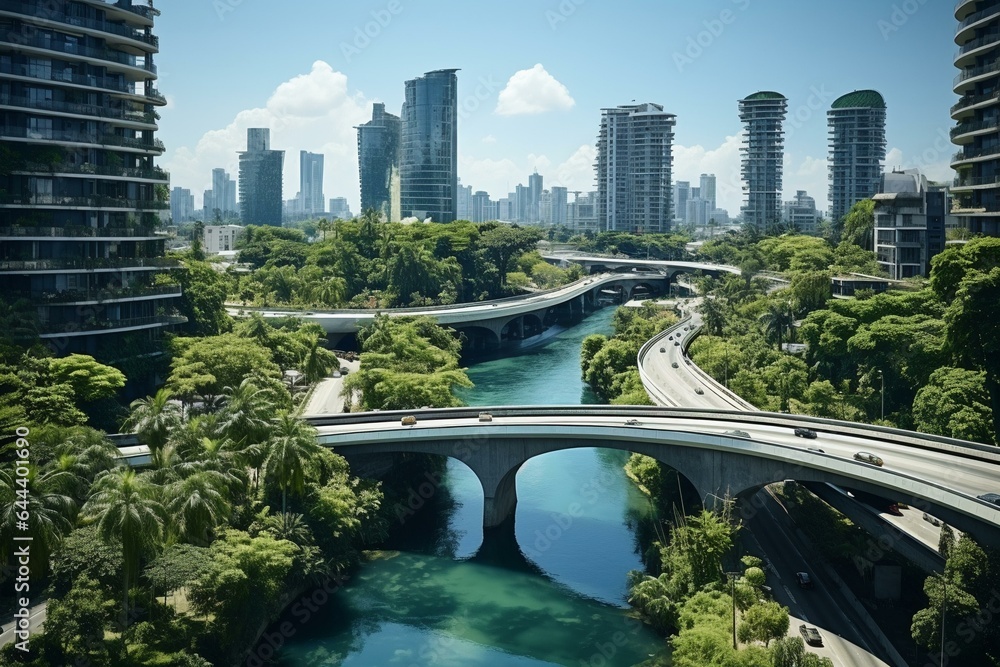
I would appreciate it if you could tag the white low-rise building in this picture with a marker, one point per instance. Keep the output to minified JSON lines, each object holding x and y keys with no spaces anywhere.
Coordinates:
{"x":221,"y":238}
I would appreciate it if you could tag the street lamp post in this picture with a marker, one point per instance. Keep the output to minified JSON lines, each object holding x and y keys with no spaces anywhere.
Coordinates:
{"x":881,"y":376}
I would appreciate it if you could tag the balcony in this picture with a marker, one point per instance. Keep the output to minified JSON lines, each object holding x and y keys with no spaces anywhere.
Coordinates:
{"x":969,"y":102}
{"x":82,"y":51}
{"x":78,"y":232}
{"x":974,"y":18}
{"x":965,"y":52}
{"x":93,"y":110}
{"x":65,"y":297}
{"x":21,"y":132}
{"x":57,"y":16}
{"x":87,"y":169}
{"x":962,"y":156}
{"x":93,"y":201}
{"x":52,"y":330}
{"x":89,"y":81}
{"x":89,"y":264}
{"x":974,"y":127}
{"x":975,"y":183}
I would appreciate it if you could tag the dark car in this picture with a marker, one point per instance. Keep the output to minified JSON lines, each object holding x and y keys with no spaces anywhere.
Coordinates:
{"x":344,"y":370}
{"x":868,"y":457}
{"x":811,"y":635}
{"x":632,"y":422}
{"x":816,"y":449}
{"x":663,"y":349}
{"x":673,"y":364}
{"x":805,"y":433}
{"x":990,"y":498}
{"x":736,"y":433}
{"x":805,"y":581}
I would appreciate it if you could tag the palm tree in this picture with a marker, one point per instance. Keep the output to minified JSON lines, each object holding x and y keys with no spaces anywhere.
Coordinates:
{"x":50,"y":511}
{"x":153,"y":418}
{"x":245,"y":418}
{"x":653,"y":596}
{"x":291,"y":445}
{"x":289,"y":526}
{"x":197,"y":505}
{"x":317,"y":361}
{"x":329,"y":291}
{"x":777,"y":319}
{"x":713,"y":315}
{"x":127,"y":510}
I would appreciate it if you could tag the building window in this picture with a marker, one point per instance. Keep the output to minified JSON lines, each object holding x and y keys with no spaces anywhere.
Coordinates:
{"x":39,"y":128}
{"x":38,"y":68}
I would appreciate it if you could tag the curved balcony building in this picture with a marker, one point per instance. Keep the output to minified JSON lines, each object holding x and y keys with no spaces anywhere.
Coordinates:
{"x":857,"y":149}
{"x":80,"y":195}
{"x":977,"y":116}
{"x":763,"y":116}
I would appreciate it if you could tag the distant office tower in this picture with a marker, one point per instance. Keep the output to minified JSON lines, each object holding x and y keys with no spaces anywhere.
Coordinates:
{"x":222,"y":196}
{"x":634,"y":160}
{"x":480,"y":206}
{"x":558,"y":207}
{"x":763,"y":151}
{"x":581,"y":213}
{"x":910,"y":221}
{"x":312,"y":202}
{"x":340,"y":209}
{"x":697,"y":212}
{"x":522,"y":203}
{"x":504,"y":209}
{"x":429,"y":156}
{"x":801,"y":213}
{"x":207,"y":205}
{"x":977,"y":163}
{"x":260,"y":180}
{"x":463,"y":205}
{"x":857,"y":149}
{"x":682,"y":192}
{"x":534,"y":197}
{"x":707,"y":189}
{"x":181,"y":204}
{"x":379,"y":143}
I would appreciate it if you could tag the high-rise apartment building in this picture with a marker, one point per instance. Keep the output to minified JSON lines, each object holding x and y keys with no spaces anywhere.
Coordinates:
{"x":379,"y":142}
{"x":634,"y":161}
{"x":222,"y":197}
{"x":557,"y":210}
{"x":339,"y":208}
{"x":682,"y":192}
{"x":857,"y":149}
{"x":707,"y":189}
{"x":82,"y":195}
{"x":910,"y":221}
{"x":428,"y":170}
{"x":312,"y":203}
{"x":977,"y":117}
{"x":463,"y":205}
{"x":480,"y":206}
{"x":181,"y":205}
{"x":535,"y":188}
{"x":763,"y":115}
{"x":261,"y":180}
{"x":801,"y":214}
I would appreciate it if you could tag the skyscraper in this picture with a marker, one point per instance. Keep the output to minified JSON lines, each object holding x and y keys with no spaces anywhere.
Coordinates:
{"x":559,"y":202}
{"x":181,"y":204}
{"x":535,"y":188}
{"x":311,"y":199}
{"x":682,"y":192}
{"x":977,"y":163}
{"x":223,"y":195}
{"x":763,"y":154}
{"x":429,"y":155}
{"x":707,"y":189}
{"x":634,"y":160}
{"x":378,"y":160}
{"x":463,"y":204}
{"x":857,"y":149}
{"x":260,"y":179}
{"x":79,"y":212}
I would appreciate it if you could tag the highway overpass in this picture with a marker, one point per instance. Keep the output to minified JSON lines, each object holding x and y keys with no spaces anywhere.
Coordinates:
{"x":669,"y":268}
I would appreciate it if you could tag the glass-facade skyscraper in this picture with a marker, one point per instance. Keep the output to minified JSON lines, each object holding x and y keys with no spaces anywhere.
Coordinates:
{"x":311,"y":183}
{"x":260,"y":179}
{"x":857,"y":149}
{"x":763,"y":114}
{"x":378,"y":160}
{"x":429,"y":152}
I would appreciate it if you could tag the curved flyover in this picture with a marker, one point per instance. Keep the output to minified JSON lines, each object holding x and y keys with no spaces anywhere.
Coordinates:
{"x":720,"y":453}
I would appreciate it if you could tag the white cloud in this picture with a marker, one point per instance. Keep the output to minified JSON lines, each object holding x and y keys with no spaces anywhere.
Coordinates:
{"x":533,"y":91}
{"x":314,"y":112}
{"x":690,"y":162}
{"x":934,"y":163}
{"x":577,"y":171}
{"x":489,"y":139}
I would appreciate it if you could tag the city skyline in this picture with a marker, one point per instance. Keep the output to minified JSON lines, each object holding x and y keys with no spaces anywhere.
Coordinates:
{"x":313,"y":93}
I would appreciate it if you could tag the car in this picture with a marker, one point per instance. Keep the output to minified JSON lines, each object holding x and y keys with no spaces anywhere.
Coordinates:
{"x":336,"y":374}
{"x":811,"y":635}
{"x":663,"y":349}
{"x":632,"y":422}
{"x":816,"y":449}
{"x":344,"y":370}
{"x":670,"y":337}
{"x":677,"y":342}
{"x":993,"y":498}
{"x":408,"y":420}
{"x":699,"y":391}
{"x":485,"y":417}
{"x":736,"y":433}
{"x":868,"y":457}
{"x":805,"y":433}
{"x":931,"y":519}
{"x":673,"y":364}
{"x":804,"y":580}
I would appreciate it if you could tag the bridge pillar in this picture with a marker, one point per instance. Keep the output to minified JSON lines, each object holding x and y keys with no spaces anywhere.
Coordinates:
{"x":500,"y":502}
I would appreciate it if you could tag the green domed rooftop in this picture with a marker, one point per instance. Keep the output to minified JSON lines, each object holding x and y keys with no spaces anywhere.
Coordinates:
{"x":766,"y":95}
{"x":866,"y":99}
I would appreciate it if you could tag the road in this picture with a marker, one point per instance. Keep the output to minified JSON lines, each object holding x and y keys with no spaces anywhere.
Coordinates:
{"x":36,"y":617}
{"x":326,"y":398}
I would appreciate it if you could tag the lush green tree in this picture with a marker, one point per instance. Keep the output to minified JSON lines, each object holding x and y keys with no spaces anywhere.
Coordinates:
{"x":713,"y":314}
{"x":657,"y":599}
{"x":777,"y":320}
{"x":291,"y":444}
{"x":955,"y":403}
{"x":153,"y":418}
{"x":197,"y":505}
{"x":85,"y":554}
{"x":763,"y":622}
{"x":41,"y":499}
{"x":126,"y":510}
{"x":203,"y":298}
{"x":946,"y":541}
{"x":207,"y":365}
{"x":958,"y":605}
{"x":811,"y":290}
{"x":591,"y":345}
{"x":859,"y":224}
{"x":76,"y":624}
{"x":504,"y":243}
{"x":90,"y":380}
{"x":177,"y":566}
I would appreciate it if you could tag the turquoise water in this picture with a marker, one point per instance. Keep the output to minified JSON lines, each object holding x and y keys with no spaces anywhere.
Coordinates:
{"x":555,"y":595}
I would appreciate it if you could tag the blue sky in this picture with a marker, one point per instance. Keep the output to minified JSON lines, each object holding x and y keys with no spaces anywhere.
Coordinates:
{"x":536,"y":73}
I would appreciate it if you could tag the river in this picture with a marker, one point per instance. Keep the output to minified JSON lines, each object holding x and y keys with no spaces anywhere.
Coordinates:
{"x":555,"y":597}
